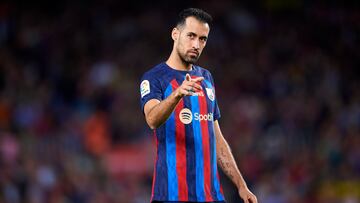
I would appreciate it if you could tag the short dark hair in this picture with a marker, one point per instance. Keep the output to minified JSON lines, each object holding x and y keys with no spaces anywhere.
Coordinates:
{"x":197,"y":13}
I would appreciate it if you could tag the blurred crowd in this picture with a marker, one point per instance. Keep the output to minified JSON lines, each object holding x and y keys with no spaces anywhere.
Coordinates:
{"x":287,"y":80}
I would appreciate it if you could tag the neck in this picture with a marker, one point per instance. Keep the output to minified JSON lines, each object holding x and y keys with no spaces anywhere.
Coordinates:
{"x":175,"y":62}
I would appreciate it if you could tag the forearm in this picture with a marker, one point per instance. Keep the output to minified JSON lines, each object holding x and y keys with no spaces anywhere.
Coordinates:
{"x":161,"y":112}
{"x":156,"y":112}
{"x":227,"y":163}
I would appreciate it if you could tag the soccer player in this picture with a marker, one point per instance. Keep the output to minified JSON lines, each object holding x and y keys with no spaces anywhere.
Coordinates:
{"x":179,"y":102}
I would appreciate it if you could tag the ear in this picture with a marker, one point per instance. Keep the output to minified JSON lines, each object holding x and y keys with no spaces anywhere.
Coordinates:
{"x":175,"y":34}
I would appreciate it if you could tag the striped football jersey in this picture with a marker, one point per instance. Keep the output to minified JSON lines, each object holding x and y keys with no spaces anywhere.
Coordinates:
{"x":185,"y":167}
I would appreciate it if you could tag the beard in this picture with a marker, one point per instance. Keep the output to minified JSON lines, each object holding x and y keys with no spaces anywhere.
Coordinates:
{"x":187,"y":58}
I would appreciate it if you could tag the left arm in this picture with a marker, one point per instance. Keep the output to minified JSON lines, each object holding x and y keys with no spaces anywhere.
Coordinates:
{"x":227,"y":163}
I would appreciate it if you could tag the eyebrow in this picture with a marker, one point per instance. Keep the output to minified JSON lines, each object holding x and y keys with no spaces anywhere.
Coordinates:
{"x":201,"y":37}
{"x":193,"y":33}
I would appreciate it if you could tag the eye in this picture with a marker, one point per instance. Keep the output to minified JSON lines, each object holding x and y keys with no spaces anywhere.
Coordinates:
{"x":203,"y":39}
{"x":191,"y":35}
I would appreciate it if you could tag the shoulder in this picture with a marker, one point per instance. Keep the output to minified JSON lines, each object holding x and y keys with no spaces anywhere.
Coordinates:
{"x":154,"y":72}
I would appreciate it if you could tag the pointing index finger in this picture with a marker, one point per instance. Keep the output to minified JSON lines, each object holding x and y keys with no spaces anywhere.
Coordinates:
{"x":188,"y":77}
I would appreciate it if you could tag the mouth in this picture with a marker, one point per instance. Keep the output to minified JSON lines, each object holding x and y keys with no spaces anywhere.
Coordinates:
{"x":193,"y":53}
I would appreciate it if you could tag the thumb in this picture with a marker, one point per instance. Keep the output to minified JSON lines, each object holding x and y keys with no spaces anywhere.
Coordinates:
{"x":188,"y":77}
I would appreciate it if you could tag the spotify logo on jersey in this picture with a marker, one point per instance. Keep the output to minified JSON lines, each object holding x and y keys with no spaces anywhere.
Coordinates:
{"x":185,"y":116}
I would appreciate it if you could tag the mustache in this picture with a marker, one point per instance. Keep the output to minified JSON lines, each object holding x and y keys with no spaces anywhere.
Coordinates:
{"x":194,"y":51}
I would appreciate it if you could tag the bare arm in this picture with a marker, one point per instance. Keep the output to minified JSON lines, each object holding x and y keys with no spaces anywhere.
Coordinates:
{"x":156,"y":112}
{"x":227,"y":163}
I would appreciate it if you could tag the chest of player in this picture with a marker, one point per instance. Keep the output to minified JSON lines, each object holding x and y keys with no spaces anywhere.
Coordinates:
{"x":199,"y":107}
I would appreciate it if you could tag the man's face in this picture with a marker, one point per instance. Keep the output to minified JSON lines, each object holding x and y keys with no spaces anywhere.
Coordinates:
{"x":191,"y":39}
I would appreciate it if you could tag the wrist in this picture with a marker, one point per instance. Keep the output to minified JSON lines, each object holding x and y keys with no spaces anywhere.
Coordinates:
{"x":241,"y":186}
{"x":178,"y":95}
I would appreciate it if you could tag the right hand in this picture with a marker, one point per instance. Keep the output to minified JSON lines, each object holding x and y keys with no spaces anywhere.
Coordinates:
{"x":189,"y":86}
{"x":247,"y":195}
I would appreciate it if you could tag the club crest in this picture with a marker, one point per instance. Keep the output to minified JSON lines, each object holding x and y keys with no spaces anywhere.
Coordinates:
{"x":210,"y":93}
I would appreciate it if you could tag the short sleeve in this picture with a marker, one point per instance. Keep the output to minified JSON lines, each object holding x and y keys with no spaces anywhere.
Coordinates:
{"x":150,"y":88}
{"x":217,"y":114}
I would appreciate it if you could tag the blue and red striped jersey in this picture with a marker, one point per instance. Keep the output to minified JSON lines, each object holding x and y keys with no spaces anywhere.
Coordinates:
{"x":185,"y":167}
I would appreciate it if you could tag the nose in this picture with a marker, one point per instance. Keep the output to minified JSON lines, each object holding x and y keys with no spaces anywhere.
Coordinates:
{"x":196,"y":44}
